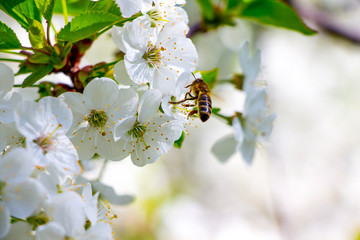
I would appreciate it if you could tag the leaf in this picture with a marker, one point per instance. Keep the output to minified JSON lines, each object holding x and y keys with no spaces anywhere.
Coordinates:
{"x":108,"y":6}
{"x":36,"y":34}
{"x":207,"y":9}
{"x":276,"y":13}
{"x":86,"y":25}
{"x":41,"y":71}
{"x":8,"y":39}
{"x":74,"y":7}
{"x":178,"y":143}
{"x":46,"y":8}
{"x":210,"y":77}
{"x":231,"y":4}
{"x":21,"y":11}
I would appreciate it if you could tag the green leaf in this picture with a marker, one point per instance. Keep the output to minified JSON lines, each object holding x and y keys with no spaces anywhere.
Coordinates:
{"x":37,"y":34}
{"x":275,"y":13}
{"x":210,"y":77}
{"x":39,"y":58}
{"x":8,"y":39}
{"x":231,"y":4}
{"x":74,"y":7}
{"x":85,"y":25}
{"x":207,"y":9}
{"x":21,"y":11}
{"x":46,"y":8}
{"x":178,"y":143}
{"x":41,"y":71}
{"x":108,"y":6}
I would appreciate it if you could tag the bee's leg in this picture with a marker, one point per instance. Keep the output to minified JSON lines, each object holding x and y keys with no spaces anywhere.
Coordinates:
{"x":189,"y":94}
{"x":184,"y":100}
{"x":195,"y":111}
{"x":188,"y":105}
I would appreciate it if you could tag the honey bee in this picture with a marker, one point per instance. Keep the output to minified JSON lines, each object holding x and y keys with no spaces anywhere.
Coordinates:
{"x":201,"y":98}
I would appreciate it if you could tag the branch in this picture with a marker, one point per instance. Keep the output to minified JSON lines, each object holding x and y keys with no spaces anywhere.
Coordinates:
{"x":325,"y":22}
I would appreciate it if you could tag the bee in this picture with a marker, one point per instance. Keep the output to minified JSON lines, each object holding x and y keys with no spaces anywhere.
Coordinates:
{"x":201,"y":98}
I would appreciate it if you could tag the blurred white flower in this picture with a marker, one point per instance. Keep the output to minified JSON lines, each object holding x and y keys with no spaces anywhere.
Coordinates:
{"x":155,"y":58}
{"x":44,"y":130}
{"x":96,"y":112}
{"x":254,"y":124}
{"x":130,"y":7}
{"x":149,"y":134}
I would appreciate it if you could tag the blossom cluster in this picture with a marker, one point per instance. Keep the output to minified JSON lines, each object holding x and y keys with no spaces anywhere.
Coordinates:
{"x":42,"y":192}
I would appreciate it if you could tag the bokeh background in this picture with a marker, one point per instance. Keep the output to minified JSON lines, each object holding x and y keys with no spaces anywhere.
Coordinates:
{"x":304,"y":183}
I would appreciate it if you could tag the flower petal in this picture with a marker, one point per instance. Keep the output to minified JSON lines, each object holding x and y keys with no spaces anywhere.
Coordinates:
{"x":224,"y":148}
{"x":51,"y":230}
{"x":122,"y":127}
{"x":7,"y":79}
{"x":100,"y":92}
{"x":4,"y":220}
{"x":149,"y":105}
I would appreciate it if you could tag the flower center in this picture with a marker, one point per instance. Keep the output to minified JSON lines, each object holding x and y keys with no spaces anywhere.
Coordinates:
{"x":137,"y":131}
{"x":97,"y":118}
{"x":153,"y":56}
{"x":46,"y":142}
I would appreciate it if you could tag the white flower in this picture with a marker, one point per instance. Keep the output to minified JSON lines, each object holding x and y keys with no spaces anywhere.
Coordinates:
{"x":254,"y":124}
{"x":45,"y":129}
{"x":20,"y":195}
{"x":149,"y":134}
{"x":155,"y":58}
{"x":8,"y":99}
{"x":96,"y":112}
{"x":130,"y":7}
{"x":167,"y":11}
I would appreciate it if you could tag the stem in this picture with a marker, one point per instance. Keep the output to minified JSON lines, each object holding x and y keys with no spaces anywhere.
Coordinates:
{"x":53,"y":27}
{"x":65,"y":11}
{"x":102,"y":170}
{"x":33,"y":49}
{"x":11,"y":60}
{"x":107,"y":65}
{"x":14,"y":53}
{"x":227,"y":119}
{"x":196,"y":28}
{"x":48,"y":33}
{"x":19,"y":85}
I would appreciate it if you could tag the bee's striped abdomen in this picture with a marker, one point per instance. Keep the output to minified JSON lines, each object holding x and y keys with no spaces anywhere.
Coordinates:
{"x":204,"y":104}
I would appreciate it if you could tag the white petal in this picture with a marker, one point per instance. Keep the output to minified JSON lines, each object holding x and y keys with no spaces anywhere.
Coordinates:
{"x":54,"y":109}
{"x":250,"y":65}
{"x":100,"y":92}
{"x":29,"y":125}
{"x":65,"y":156}
{"x":224,"y":148}
{"x":122,"y":127}
{"x":100,"y":231}
{"x":16,"y":166}
{"x":116,"y":35}
{"x":49,"y":182}
{"x":166,"y":106}
{"x":84,"y":142}
{"x":7,"y":106}
{"x":129,"y":7}
{"x":51,"y":230}
{"x":24,"y":198}
{"x":255,"y":104}
{"x":4,"y":220}
{"x":71,"y":216}
{"x":238,"y":131}
{"x":112,"y":150}
{"x":127,"y":103}
{"x":110,"y":195}
{"x":90,"y":203}
{"x":20,"y":231}
{"x":149,"y":105}
{"x":164,"y":80}
{"x":247,"y":147}
{"x":139,"y":70}
{"x":76,"y":102}
{"x":7,"y":79}
{"x":121,"y":75}
{"x":136,"y":34}
{"x":143,"y":156}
